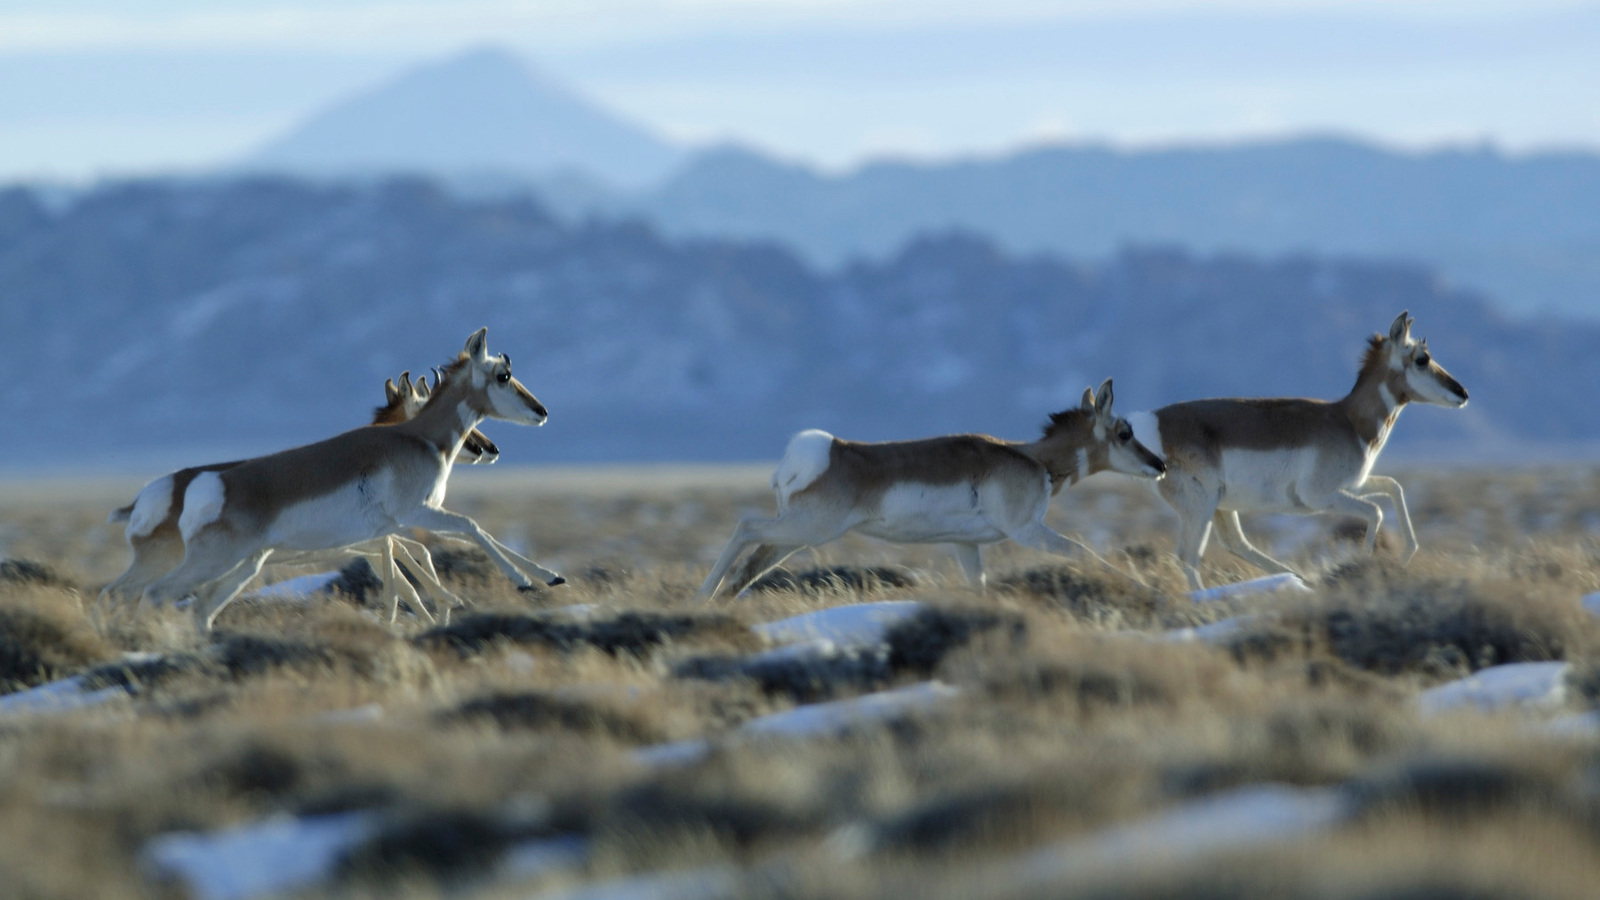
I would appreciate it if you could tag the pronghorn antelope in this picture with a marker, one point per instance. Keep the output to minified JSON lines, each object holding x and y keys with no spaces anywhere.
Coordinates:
{"x":965,"y":490}
{"x":152,"y":531}
{"x":1229,"y":456}
{"x":355,"y":487}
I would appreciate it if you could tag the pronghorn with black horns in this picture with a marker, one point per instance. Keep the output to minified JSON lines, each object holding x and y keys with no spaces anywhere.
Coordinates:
{"x":965,"y":490}
{"x":1228,"y":456}
{"x":355,"y":487}
{"x":152,"y":529}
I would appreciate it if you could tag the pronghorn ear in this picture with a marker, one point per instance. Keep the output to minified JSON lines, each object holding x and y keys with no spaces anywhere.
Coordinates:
{"x":405,"y":382}
{"x":478,"y":345}
{"x":390,"y":392}
{"x":1102,"y":398}
{"x":1087,"y":403}
{"x":421,"y":387}
{"x":1400,"y":329}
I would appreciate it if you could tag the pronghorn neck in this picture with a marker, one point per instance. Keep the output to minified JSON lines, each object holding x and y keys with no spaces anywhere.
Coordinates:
{"x":454,"y":409}
{"x":1380,"y":393}
{"x":1067,"y":449}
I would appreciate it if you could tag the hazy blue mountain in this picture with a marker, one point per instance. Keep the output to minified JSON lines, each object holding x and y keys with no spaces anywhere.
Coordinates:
{"x":153,"y":324}
{"x":484,"y":111}
{"x":1526,"y":230}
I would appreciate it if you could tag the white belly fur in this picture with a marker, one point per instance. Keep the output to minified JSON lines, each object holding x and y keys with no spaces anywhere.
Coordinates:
{"x":1268,"y":480}
{"x":349,"y":515}
{"x":933,"y":514}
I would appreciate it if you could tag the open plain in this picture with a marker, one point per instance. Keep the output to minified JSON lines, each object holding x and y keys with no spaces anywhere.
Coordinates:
{"x":1392,"y":732}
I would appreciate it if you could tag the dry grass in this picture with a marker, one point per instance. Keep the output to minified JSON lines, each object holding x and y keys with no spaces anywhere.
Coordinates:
{"x":517,"y":720}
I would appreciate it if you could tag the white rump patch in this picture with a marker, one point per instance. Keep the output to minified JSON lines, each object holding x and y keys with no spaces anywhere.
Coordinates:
{"x":804,"y":461}
{"x":202,"y":504}
{"x":1147,"y":431}
{"x":150,"y":508}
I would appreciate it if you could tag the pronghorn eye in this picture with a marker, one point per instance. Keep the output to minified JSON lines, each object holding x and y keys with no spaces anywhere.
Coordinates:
{"x":503,"y":377}
{"x":1126,"y":434}
{"x":1422,"y":361}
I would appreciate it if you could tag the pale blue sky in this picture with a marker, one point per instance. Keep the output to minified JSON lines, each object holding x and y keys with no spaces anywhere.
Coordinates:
{"x":95,"y":87}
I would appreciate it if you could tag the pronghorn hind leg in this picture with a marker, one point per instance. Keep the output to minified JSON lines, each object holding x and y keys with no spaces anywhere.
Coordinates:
{"x":421,"y":561}
{"x":795,"y":528}
{"x":1390,"y":488}
{"x":762,"y":560}
{"x":970,"y":556}
{"x":151,"y":560}
{"x":220,"y":592}
{"x":1232,"y":536}
{"x":398,"y":585}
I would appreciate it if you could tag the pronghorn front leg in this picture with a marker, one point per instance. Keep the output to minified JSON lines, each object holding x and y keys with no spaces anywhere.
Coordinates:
{"x":1232,"y":535}
{"x":442,"y":520}
{"x":970,"y":556}
{"x":1351,"y":505}
{"x":1390,"y":488}
{"x":1040,"y":536}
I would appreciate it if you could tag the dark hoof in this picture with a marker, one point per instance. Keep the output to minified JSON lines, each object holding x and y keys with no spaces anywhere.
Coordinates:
{"x":529,"y":589}
{"x":558,"y":580}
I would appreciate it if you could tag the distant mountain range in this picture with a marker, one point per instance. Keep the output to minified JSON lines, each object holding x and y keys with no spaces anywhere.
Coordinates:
{"x":151,"y":324}
{"x":485,"y":112}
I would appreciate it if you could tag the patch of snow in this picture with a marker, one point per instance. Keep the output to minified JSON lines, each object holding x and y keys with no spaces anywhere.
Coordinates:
{"x":1245,"y":817}
{"x":709,"y":883}
{"x":1533,"y":684}
{"x":359,"y":715}
{"x":853,"y":625}
{"x":1575,"y":725}
{"x":1267,"y":584}
{"x":838,"y":715}
{"x":61,"y":696}
{"x":811,"y":720}
{"x":1212,"y":633}
{"x":533,"y":858}
{"x":272,"y":856}
{"x":676,"y":753}
{"x":1591,"y":604}
{"x":301,"y":586}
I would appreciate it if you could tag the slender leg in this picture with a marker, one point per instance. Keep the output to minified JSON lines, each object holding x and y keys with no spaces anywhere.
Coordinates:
{"x":203,"y":563}
{"x":221,"y":592}
{"x":1040,"y":536}
{"x":1391,"y":489}
{"x":422,"y":565}
{"x":970,"y":556}
{"x":762,"y":560}
{"x":1232,"y":536}
{"x":1194,"y":503}
{"x":794,"y":528}
{"x":152,"y":558}
{"x":435,"y":519}
{"x":398,"y":585}
{"x":523,"y":563}
{"x":1351,"y":505}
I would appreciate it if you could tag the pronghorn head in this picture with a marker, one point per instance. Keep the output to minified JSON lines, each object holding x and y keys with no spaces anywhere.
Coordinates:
{"x":1413,"y":374}
{"x":494,"y":392}
{"x":1102,"y":439}
{"x":475,"y":449}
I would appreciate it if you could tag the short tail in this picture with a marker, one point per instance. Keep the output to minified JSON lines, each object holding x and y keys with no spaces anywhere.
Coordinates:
{"x":804,"y":461}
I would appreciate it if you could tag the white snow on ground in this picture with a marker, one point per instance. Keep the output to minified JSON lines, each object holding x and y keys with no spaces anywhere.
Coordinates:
{"x":1574,"y":725}
{"x":1244,"y":817}
{"x":272,"y":856}
{"x":61,"y":696}
{"x":533,"y":858}
{"x":1212,"y":633}
{"x":1267,"y":584}
{"x":815,"y":719}
{"x":298,"y":587}
{"x":709,"y":883}
{"x":811,"y":720}
{"x":1533,"y":684}
{"x":1591,"y":604}
{"x":853,"y":625}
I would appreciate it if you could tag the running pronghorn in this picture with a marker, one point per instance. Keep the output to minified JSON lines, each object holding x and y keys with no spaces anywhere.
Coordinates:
{"x":351,"y":488}
{"x":1229,"y":456}
{"x":964,"y":489}
{"x":152,"y":531}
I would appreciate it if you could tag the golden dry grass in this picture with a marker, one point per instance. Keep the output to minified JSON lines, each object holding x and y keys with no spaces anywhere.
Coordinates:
{"x":517,"y":722}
